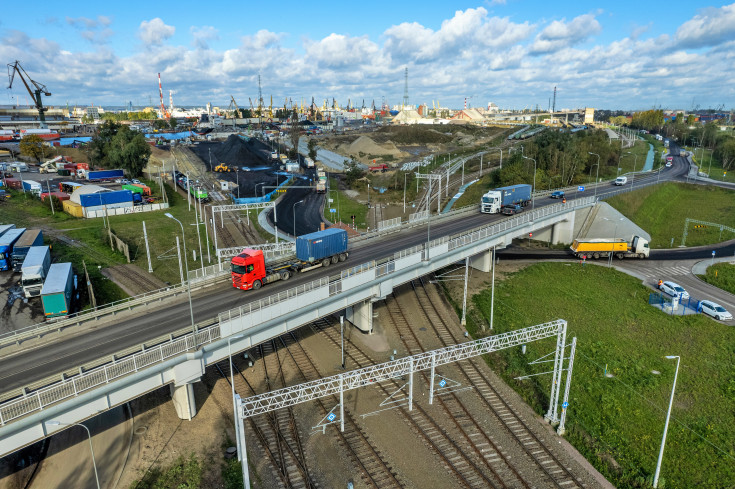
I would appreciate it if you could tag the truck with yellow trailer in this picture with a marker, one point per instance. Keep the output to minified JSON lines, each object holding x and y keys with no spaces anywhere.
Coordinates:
{"x":618,"y":247}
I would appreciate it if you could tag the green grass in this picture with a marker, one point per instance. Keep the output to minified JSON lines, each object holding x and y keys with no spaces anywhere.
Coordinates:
{"x":710,"y":163}
{"x":617,"y":422}
{"x":721,"y":275}
{"x":662,"y":210}
{"x":183,"y":473}
{"x":346,"y":207}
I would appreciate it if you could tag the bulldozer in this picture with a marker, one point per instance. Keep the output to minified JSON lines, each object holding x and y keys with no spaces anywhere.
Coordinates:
{"x":222,"y":168}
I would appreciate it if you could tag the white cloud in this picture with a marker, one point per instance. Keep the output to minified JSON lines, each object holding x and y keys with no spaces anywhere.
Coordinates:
{"x":201,"y":35}
{"x":154,"y":31}
{"x":560,"y":34}
{"x":710,"y":27}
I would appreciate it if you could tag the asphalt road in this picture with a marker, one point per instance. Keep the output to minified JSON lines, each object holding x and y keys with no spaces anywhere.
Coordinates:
{"x":303,"y":204}
{"x":105,"y":339}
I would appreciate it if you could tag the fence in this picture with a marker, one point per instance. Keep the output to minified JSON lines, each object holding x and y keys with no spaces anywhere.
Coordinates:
{"x":389,"y":224}
{"x":673,"y":307}
{"x":264,"y":198}
{"x":119,"y":211}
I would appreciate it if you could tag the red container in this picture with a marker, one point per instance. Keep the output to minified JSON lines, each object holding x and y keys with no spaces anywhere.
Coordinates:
{"x":82,"y":166}
{"x":70,"y":166}
{"x":14,"y":183}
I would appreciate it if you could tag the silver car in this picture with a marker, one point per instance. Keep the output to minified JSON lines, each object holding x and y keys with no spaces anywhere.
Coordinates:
{"x":715,"y":310}
{"x":674,"y":290}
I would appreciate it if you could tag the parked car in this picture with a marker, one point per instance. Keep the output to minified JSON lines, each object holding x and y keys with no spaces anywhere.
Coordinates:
{"x":511,"y":209}
{"x":136,"y":181}
{"x":715,"y":310}
{"x":674,"y":290}
{"x":557,"y":194}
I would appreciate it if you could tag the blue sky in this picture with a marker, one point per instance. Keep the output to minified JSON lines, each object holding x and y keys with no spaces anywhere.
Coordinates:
{"x":624,"y":55}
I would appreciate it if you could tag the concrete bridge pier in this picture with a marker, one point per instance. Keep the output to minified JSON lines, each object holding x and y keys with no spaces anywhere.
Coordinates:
{"x":184,"y":400}
{"x":563,"y":231}
{"x":483,"y":261}
{"x":361,"y":315}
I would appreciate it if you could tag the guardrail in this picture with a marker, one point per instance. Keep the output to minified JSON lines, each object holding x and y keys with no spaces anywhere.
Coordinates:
{"x":116,"y":369}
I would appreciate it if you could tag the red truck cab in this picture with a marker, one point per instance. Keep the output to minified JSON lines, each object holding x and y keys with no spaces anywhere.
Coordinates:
{"x":248,"y":269}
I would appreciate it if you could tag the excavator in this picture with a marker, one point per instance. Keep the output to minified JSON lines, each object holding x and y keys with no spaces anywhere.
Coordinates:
{"x":14,"y":68}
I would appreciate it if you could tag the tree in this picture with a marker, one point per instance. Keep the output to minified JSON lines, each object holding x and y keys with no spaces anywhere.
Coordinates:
{"x":295,"y":135}
{"x":353,"y":172}
{"x":172,"y":122}
{"x":116,"y":146}
{"x":32,"y":145}
{"x":312,"y":148}
{"x":726,"y":152}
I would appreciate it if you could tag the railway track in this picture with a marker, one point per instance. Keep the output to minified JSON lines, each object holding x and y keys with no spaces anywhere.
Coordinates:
{"x":375,"y":471}
{"x":139,"y":278}
{"x":555,"y":471}
{"x":468,"y":470}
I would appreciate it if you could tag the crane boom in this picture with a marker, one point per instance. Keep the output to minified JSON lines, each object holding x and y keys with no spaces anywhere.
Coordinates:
{"x":14,"y":68}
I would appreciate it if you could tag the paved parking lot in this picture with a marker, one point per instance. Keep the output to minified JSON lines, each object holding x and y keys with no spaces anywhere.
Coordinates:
{"x":17,"y":311}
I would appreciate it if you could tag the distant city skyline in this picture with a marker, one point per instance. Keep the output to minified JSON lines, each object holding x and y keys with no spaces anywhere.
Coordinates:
{"x":512,"y":53}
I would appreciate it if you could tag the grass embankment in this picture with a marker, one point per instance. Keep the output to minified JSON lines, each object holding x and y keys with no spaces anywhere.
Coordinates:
{"x":617,"y":422}
{"x":662,"y":211}
{"x":721,"y":275}
{"x":710,"y":163}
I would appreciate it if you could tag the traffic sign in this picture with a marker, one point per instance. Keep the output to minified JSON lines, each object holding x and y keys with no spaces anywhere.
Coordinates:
{"x":580,"y":188}
{"x":565,"y":404}
{"x":332,"y":210}
{"x":331,"y":417}
{"x":442,"y":383}
{"x":713,"y":252}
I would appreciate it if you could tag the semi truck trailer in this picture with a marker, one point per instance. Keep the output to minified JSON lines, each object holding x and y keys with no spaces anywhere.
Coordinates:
{"x":35,"y":268}
{"x":7,"y":242}
{"x":618,"y":247}
{"x":320,"y":249}
{"x":494,"y":199}
{"x":56,"y":293}
{"x":32,"y":237}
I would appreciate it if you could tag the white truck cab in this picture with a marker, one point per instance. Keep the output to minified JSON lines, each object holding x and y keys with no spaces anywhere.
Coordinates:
{"x":490,"y":203}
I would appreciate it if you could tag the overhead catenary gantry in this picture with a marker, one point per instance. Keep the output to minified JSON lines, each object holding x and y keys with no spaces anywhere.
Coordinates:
{"x":35,"y":93}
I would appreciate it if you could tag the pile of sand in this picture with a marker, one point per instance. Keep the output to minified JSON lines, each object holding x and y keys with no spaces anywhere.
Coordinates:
{"x":367,"y":146}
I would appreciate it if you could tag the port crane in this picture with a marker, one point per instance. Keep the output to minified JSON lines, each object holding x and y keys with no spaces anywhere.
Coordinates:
{"x":14,"y":68}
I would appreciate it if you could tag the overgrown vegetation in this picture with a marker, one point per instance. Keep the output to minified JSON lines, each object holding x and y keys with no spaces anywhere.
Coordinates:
{"x":662,"y":211}
{"x":32,"y":145}
{"x":721,"y":275}
{"x":116,"y":146}
{"x":184,"y":473}
{"x":616,"y":421}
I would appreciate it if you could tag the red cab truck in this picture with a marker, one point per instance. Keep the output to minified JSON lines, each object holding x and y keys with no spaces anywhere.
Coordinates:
{"x":320,"y":249}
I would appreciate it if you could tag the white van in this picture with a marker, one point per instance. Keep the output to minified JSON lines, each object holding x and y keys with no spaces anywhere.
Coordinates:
{"x":621,"y":181}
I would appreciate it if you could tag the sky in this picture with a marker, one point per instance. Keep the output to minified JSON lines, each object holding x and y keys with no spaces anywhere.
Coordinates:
{"x":622,"y":55}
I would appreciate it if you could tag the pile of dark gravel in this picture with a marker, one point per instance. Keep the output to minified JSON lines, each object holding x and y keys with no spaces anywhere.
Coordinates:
{"x":236,"y":151}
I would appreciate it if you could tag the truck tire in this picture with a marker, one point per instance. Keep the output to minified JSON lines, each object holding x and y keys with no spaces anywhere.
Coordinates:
{"x":257,"y":284}
{"x":335,"y":259}
{"x":595,"y":255}
{"x":621,"y":256}
{"x":285,"y":275}
{"x":326,"y":262}
{"x":342,"y":257}
{"x":641,"y":256}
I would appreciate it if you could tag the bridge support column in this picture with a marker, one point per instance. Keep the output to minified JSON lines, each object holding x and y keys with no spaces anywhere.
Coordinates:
{"x":361,"y":315}
{"x":563,"y":231}
{"x":184,"y":401}
{"x":483,"y":261}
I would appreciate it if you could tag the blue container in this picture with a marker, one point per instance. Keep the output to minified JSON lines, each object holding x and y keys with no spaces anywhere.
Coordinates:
{"x":515,"y":194}
{"x":105,"y":174}
{"x":106,"y":198}
{"x":32,"y":237}
{"x":316,"y":246}
{"x":7,"y":241}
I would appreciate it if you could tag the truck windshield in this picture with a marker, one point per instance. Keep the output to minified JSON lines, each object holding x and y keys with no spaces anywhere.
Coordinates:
{"x":33,"y":281}
{"x":242,"y":269}
{"x":2,"y":256}
{"x":488,"y":200}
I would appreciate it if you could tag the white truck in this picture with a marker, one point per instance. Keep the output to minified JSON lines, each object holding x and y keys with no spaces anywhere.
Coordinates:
{"x":495,"y":199}
{"x":35,"y":268}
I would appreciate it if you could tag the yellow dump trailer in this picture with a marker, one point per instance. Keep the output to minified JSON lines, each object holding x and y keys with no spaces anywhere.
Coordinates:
{"x":603,"y":248}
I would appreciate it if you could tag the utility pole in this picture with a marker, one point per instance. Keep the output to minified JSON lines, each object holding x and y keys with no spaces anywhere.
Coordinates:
{"x":147,"y":249}
{"x":90,"y":289}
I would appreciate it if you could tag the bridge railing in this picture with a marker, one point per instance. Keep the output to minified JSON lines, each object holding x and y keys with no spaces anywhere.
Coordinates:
{"x":90,"y":379}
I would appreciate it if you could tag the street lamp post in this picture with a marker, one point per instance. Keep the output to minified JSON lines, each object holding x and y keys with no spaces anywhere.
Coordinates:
{"x":533,"y":190}
{"x":597,"y":175}
{"x":188,"y":282}
{"x":666,"y":425}
{"x":262,"y":189}
{"x":91,"y":449}
{"x":294,"y":216}
{"x":232,"y":382}
{"x":404,"y":192}
{"x":635,"y":163}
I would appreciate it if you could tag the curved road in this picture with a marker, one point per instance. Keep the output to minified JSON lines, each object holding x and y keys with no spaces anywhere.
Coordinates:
{"x":25,"y":367}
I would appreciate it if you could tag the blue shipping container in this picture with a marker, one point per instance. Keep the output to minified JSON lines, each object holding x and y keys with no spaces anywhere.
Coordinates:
{"x":104,"y":174}
{"x":106,"y":198}
{"x":315,"y":246}
{"x":7,"y":241}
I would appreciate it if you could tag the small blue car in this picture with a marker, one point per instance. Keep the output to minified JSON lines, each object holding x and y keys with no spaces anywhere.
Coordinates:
{"x":557,"y":195}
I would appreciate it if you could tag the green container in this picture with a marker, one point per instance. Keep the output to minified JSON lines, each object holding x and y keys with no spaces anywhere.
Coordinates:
{"x":133,"y":188}
{"x":64,"y":173}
